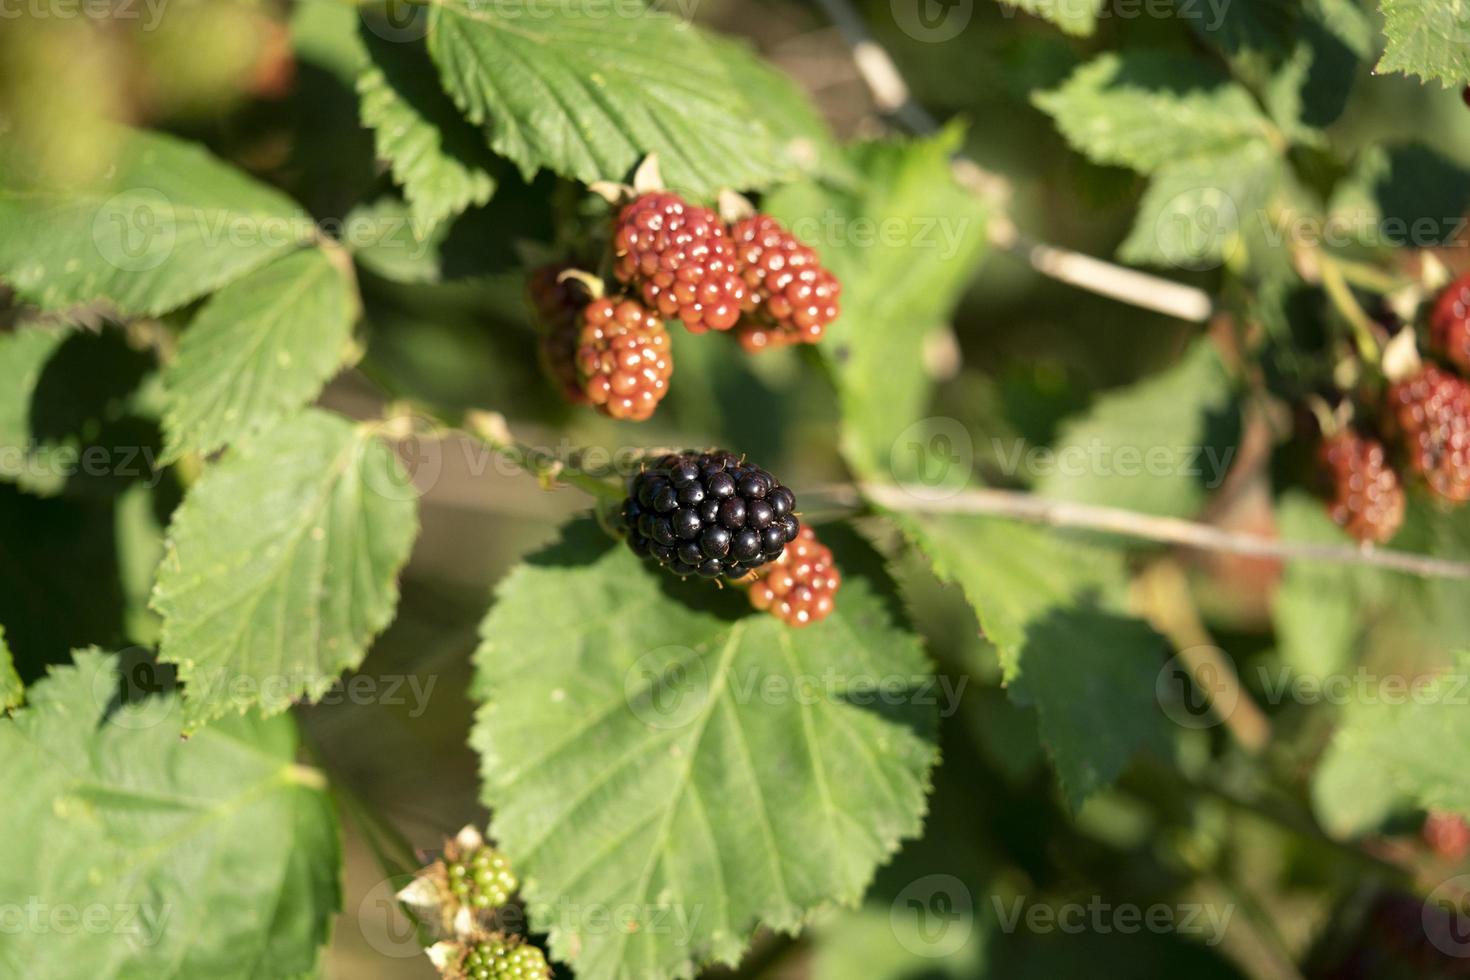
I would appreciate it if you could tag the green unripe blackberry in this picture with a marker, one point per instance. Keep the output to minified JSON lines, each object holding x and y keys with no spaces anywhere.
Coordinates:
{"x":503,"y":958}
{"x":481,"y":879}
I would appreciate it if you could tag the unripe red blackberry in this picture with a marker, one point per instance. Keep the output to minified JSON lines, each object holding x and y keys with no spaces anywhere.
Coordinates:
{"x":800,"y":586}
{"x":556,"y":303}
{"x":1364,"y":493}
{"x":790,"y":292}
{"x":1430,"y":414}
{"x":680,"y":258}
{"x":1449,"y":323}
{"x":708,"y":514}
{"x":623,"y":359}
{"x":1447,"y":835}
{"x":500,"y":957}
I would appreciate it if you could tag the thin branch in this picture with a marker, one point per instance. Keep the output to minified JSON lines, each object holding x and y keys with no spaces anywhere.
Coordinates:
{"x":1165,"y":530}
{"x":891,"y":95}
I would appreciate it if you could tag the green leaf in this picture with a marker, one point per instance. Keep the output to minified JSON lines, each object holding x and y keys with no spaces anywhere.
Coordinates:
{"x":904,"y":242}
{"x":215,"y":857}
{"x":1073,"y":17}
{"x":438,"y":159}
{"x":1053,"y":606}
{"x":1317,"y":607}
{"x":1428,"y":38}
{"x":170,"y":224}
{"x":23,"y":355}
{"x":1145,"y":110}
{"x":12,"y":692}
{"x":1415,"y":739}
{"x":667,"y":768}
{"x":282,"y":565}
{"x":259,"y":350}
{"x":1159,"y":446}
{"x":587,"y":89}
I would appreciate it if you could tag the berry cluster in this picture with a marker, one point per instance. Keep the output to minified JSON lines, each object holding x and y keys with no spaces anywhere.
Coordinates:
{"x":673,"y":260}
{"x":708,"y":514}
{"x":800,"y":586}
{"x":1447,"y":835}
{"x":500,"y":957}
{"x":1425,"y":418}
{"x":481,"y":879}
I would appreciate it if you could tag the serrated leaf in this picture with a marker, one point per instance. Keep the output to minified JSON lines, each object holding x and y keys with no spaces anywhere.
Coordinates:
{"x":259,"y":350}
{"x":1073,"y":17}
{"x":1053,"y":606}
{"x":587,"y":89}
{"x":160,"y":846}
{"x":1159,"y":446}
{"x":282,"y":565}
{"x":12,"y":692}
{"x":1143,"y":110}
{"x":898,"y":287}
{"x":23,"y":354}
{"x":1427,"y":38}
{"x":169,"y":224}
{"x":438,"y":159}
{"x":655,"y":778}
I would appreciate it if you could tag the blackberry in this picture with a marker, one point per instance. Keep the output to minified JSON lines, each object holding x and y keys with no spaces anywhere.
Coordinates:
{"x":708,"y":514}
{"x":556,"y":303}
{"x":1430,"y":414}
{"x":500,"y":957}
{"x":800,"y":586}
{"x":1449,"y":323}
{"x":681,"y":259}
{"x":623,"y":358}
{"x":1364,"y":493}
{"x":481,"y":879}
{"x":791,"y":297}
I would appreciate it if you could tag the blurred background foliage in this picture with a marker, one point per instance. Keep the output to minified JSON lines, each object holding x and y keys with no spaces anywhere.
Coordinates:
{"x":270,"y":87}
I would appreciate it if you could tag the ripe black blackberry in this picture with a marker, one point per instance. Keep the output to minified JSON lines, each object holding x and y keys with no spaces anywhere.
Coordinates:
{"x":708,"y":514}
{"x":1364,"y":494}
{"x":1449,"y":323}
{"x":791,"y":297}
{"x":557,"y":303}
{"x":499,"y":957}
{"x":1430,"y":414}
{"x":682,"y":260}
{"x":623,"y":361}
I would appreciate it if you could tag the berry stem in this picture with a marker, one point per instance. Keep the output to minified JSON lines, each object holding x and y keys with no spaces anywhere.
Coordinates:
{"x":491,"y":429}
{"x":1336,"y":285}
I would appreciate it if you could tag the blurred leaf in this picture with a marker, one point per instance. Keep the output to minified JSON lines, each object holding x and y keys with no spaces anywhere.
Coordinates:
{"x":1427,"y":38}
{"x":438,"y":159}
{"x":170,"y":225}
{"x":282,"y":564}
{"x":12,"y":693}
{"x":1144,"y":110}
{"x":23,"y":355}
{"x":904,"y":243}
{"x":1052,"y":605}
{"x":1078,"y":17}
{"x":108,"y":810}
{"x":1317,"y":607}
{"x":1243,"y":25}
{"x":1400,"y":195}
{"x":260,"y":349}
{"x":587,"y":89}
{"x":664,"y":754}
{"x":1416,"y":739}
{"x":1159,"y":446}
{"x":1347,"y":21}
